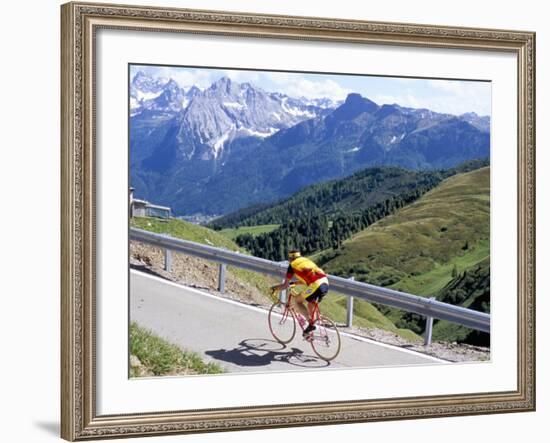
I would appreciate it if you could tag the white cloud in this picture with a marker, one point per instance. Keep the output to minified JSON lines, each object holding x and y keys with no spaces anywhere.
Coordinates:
{"x":404,"y":80}
{"x":297,"y":86}
{"x":445,"y":96}
{"x":458,"y":97}
{"x":450,"y":86}
{"x":242,"y":76}
{"x":184,"y":77}
{"x":408,"y":100}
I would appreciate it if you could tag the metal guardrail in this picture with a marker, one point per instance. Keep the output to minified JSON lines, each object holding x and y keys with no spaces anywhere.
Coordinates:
{"x":427,"y":307}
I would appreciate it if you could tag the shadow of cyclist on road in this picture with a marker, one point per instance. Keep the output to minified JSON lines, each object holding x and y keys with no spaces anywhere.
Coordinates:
{"x":263,"y":352}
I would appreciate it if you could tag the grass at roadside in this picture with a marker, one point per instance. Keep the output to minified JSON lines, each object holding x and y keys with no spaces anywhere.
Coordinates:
{"x":184,"y":230}
{"x":159,"y":357}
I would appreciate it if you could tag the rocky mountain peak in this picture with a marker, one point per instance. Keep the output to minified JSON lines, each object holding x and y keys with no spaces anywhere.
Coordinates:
{"x":353,"y":106}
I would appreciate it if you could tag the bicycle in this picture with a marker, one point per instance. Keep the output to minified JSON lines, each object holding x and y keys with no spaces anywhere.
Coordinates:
{"x":282,"y":319}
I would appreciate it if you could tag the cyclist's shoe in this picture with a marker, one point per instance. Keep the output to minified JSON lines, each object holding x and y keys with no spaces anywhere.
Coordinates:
{"x":309,"y":329}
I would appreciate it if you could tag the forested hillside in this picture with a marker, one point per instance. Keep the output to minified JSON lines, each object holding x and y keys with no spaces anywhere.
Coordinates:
{"x":322,"y":216}
{"x":471,"y":289}
{"x":336,"y":197}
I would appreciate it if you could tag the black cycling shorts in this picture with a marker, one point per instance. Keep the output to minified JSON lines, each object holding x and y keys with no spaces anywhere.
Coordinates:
{"x":319,"y":293}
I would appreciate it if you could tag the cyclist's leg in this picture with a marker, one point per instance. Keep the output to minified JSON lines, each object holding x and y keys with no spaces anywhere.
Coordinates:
{"x":309,"y":295}
{"x":311,"y":309}
{"x":315,"y":298}
{"x":300,"y":306}
{"x":313,"y":294}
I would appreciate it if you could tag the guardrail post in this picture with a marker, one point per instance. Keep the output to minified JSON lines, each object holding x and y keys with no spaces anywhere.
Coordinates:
{"x":349,"y":316}
{"x":167,"y":260}
{"x":429,"y":329}
{"x":221,"y":277}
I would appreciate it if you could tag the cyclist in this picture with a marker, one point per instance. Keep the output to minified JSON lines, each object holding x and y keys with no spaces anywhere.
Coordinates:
{"x":310,"y":275}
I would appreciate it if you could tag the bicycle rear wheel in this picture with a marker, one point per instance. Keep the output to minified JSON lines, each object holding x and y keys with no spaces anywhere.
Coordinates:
{"x":325,"y":340}
{"x":282,"y":323}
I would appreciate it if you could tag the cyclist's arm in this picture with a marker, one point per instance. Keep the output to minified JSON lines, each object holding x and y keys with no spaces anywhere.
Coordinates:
{"x":288,"y":277}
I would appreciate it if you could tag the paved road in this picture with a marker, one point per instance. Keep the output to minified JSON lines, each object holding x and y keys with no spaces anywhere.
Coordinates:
{"x":237,"y":336}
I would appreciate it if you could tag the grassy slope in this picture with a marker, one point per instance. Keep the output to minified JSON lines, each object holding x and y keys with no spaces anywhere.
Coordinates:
{"x":199,"y":234}
{"x":185,"y":230}
{"x":233,"y":233}
{"x":416,"y":249}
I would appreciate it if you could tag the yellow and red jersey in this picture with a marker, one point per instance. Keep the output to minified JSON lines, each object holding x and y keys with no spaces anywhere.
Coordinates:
{"x":305,"y":270}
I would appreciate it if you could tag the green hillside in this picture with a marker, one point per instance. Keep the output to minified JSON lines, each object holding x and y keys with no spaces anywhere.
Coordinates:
{"x":421,"y":248}
{"x":353,"y":193}
{"x":233,"y":233}
{"x":332,"y":198}
{"x":326,"y":220}
{"x":416,"y":249}
{"x":324,"y":215}
{"x":184,"y":230}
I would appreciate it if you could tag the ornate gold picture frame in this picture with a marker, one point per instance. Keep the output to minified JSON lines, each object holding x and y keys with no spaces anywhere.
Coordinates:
{"x":80,"y":24}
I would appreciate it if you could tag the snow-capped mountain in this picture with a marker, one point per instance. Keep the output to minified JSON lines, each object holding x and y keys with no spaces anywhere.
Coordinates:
{"x":483,"y":123}
{"x":207,"y":121}
{"x":323,"y":102}
{"x":233,"y":144}
{"x":144,"y":86}
{"x":143,"y":89}
{"x":227,"y":111}
{"x":162,"y":95}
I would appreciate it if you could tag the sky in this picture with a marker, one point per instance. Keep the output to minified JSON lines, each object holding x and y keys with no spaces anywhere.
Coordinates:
{"x":445,"y":96}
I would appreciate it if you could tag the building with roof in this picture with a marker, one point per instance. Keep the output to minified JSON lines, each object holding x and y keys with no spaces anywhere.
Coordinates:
{"x":142,"y":208}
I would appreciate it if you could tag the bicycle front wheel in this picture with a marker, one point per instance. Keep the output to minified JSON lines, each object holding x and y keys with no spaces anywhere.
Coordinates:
{"x":325,"y":340}
{"x":281,"y":322}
